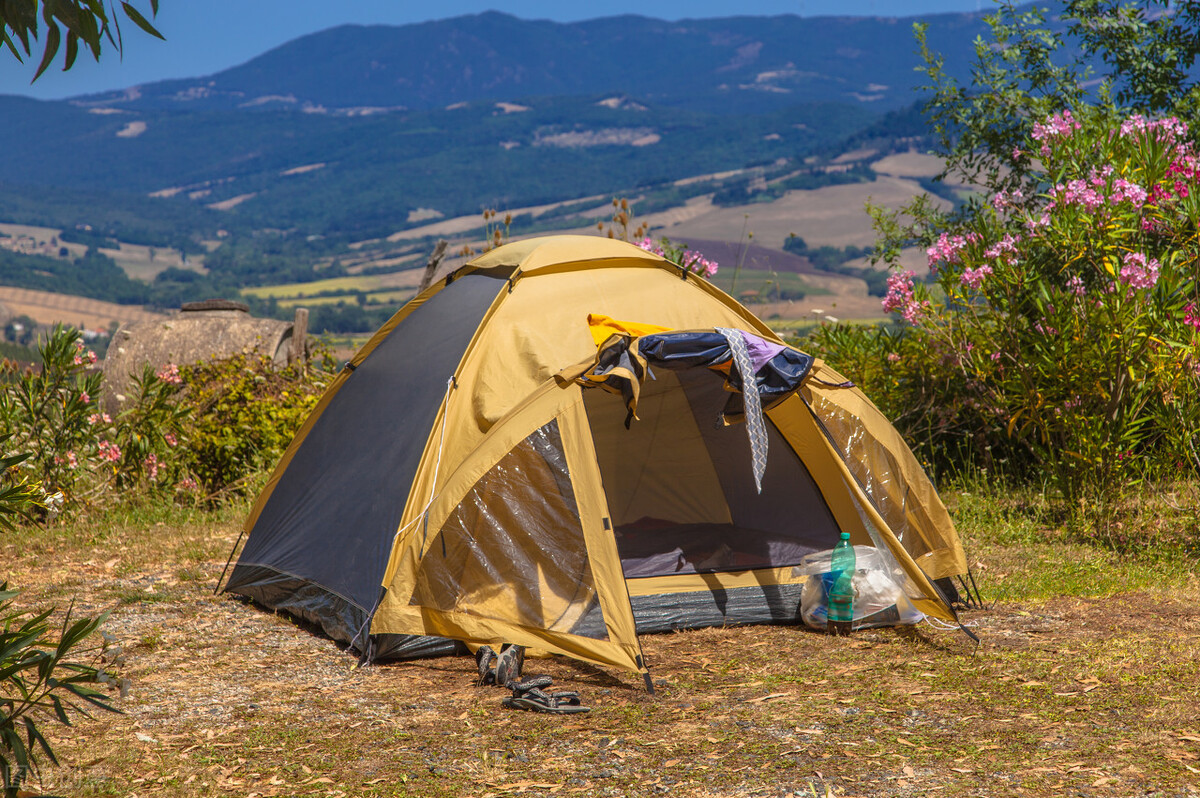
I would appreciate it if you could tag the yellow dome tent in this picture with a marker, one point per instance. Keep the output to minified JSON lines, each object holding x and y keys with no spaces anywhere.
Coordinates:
{"x":483,"y":472}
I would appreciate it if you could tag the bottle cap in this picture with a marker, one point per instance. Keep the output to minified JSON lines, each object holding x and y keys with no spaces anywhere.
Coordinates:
{"x":845,"y":536}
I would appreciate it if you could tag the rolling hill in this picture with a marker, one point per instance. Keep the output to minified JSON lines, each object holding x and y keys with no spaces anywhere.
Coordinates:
{"x":342,"y":153}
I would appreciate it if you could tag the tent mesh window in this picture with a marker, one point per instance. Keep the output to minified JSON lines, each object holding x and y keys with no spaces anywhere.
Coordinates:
{"x":513,"y":550}
{"x":876,"y":471}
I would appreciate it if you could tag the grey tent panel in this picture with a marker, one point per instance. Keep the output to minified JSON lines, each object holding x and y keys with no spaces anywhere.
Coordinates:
{"x":669,"y":612}
{"x":338,"y":618}
{"x":333,"y":514}
{"x":790,"y":507}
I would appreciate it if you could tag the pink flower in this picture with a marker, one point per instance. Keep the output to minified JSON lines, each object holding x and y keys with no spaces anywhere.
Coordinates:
{"x":169,"y":438}
{"x":1004,"y":249}
{"x":169,"y":374}
{"x":91,"y":356}
{"x":893,"y":357}
{"x":1126,"y":191}
{"x":151,"y":466}
{"x":1032,"y":224}
{"x":109,"y":451}
{"x":187,"y":483}
{"x":973,"y":278}
{"x":995,"y":357}
{"x":1055,"y":126}
{"x":85,"y":398}
{"x":1075,"y":285}
{"x":900,"y":299}
{"x":1168,"y":130}
{"x":1002,"y":200}
{"x":96,"y":418}
{"x":1191,"y":315}
{"x":1076,"y":192}
{"x":78,"y":360}
{"x":948,"y":248}
{"x":1138,"y":272}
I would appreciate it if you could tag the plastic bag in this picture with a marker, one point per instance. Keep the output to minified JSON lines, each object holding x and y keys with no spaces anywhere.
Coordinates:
{"x":878,"y":598}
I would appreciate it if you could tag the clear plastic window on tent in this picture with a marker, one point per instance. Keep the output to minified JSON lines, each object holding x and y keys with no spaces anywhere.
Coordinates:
{"x":513,"y":550}
{"x":876,"y":471}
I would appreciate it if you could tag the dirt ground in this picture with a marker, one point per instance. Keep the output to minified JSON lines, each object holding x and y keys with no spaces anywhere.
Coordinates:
{"x":1073,"y":697}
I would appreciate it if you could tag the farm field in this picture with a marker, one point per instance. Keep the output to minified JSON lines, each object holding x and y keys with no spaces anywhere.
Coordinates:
{"x":137,"y":261}
{"x":92,"y":314}
{"x":408,"y":278}
{"x":832,"y":215}
{"x":385,"y":297}
{"x":145,"y":263}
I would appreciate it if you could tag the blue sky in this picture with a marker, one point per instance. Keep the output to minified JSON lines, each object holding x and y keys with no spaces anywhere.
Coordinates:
{"x":206,"y":36}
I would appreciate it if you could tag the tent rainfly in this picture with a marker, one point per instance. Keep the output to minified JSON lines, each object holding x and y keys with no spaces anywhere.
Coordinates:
{"x":569,"y":441}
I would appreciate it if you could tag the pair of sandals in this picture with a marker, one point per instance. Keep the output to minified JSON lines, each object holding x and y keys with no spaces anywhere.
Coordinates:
{"x":504,"y":669}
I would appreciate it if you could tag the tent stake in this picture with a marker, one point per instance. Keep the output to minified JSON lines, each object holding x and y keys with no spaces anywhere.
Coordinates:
{"x":649,"y":682}
{"x":232,"y":551}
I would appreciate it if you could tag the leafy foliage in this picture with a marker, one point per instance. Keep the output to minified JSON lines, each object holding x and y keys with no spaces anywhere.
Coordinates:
{"x":38,"y":683}
{"x":243,"y":415}
{"x":1030,"y":67}
{"x":208,"y":427}
{"x":85,"y":22}
{"x":17,"y":496}
{"x":46,"y":411}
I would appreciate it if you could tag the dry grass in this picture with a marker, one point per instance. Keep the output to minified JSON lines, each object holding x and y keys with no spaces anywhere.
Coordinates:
{"x":1093,"y":694}
{"x":832,"y":215}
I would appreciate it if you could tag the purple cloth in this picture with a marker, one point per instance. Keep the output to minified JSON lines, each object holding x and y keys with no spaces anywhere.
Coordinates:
{"x":761,"y":350}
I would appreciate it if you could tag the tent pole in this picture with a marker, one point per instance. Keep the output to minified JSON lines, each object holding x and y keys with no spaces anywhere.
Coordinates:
{"x":232,"y":551}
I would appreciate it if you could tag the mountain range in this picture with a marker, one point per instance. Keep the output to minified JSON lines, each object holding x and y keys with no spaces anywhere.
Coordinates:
{"x":281,"y":168}
{"x":730,"y":65}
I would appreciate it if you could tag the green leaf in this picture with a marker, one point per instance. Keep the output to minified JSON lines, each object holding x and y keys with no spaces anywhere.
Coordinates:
{"x":53,"y":39}
{"x":141,"y":21}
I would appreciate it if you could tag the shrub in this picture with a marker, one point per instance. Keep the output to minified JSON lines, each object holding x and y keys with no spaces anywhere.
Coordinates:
{"x":243,"y":414}
{"x":1070,"y":317}
{"x":46,"y":411}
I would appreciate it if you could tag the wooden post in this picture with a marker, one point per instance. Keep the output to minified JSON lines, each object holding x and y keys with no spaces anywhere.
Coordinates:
{"x":439,"y":252}
{"x":296,"y":354}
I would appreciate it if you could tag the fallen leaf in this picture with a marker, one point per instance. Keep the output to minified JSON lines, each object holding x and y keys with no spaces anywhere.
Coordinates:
{"x":770,"y":697}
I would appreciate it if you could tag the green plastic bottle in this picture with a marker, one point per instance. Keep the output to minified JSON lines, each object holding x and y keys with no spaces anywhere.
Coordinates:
{"x":841,"y":591}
